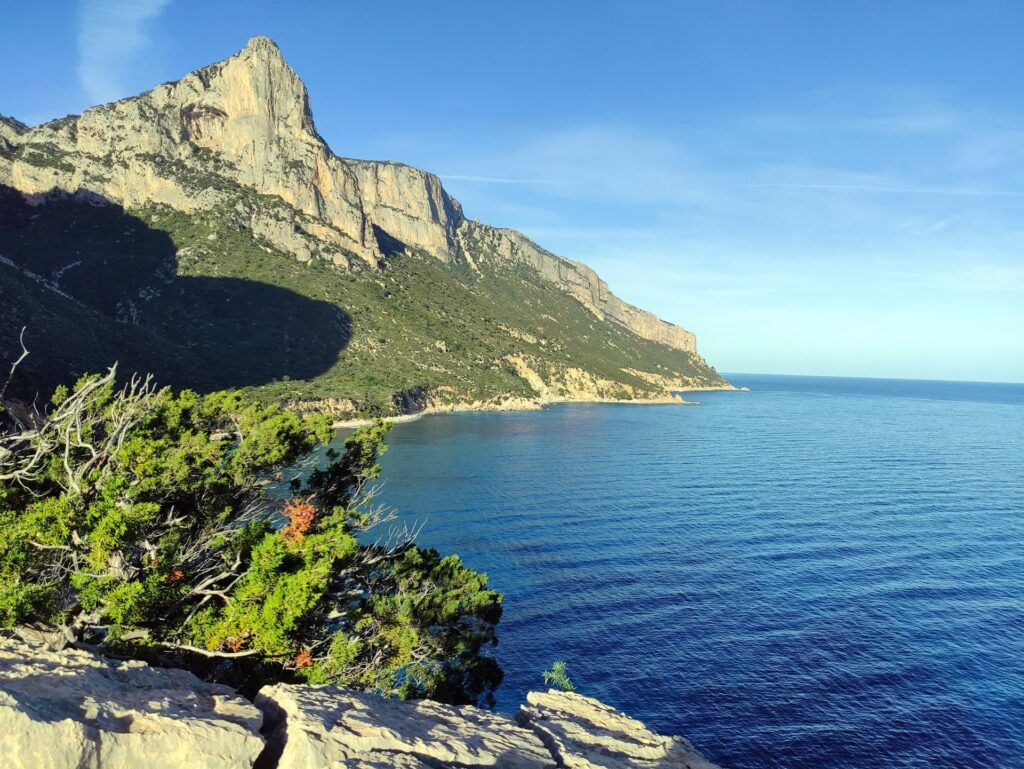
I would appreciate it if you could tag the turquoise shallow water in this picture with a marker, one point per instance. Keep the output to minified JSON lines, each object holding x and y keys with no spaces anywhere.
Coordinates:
{"x":817,"y":573}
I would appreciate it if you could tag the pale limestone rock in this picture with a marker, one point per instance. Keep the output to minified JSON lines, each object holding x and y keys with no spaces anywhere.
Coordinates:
{"x":327,"y":727}
{"x":73,"y":710}
{"x":10,"y":133}
{"x":561,"y":384}
{"x":584,"y":733}
{"x":409,"y":205}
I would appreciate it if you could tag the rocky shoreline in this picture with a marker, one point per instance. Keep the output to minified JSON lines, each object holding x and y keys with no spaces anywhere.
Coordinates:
{"x":531,"y":404}
{"x":71,"y":709}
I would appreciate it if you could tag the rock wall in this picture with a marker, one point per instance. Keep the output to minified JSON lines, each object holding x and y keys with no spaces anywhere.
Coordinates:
{"x":73,"y":710}
{"x":244,"y":126}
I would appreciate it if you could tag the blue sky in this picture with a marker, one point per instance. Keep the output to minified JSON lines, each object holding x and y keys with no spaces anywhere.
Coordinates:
{"x":813,"y":187}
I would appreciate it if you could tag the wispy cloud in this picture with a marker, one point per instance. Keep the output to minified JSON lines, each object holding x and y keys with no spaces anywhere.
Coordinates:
{"x":884,"y":189}
{"x":111,"y":34}
{"x":494,"y":179}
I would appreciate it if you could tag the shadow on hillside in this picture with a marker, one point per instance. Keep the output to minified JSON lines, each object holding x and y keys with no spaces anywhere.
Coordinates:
{"x":94,"y":284}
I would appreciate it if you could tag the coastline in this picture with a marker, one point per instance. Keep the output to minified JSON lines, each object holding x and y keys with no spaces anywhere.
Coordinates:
{"x":532,"y":404}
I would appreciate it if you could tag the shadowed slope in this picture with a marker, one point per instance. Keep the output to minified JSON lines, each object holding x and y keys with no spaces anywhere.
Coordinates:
{"x":94,"y":285}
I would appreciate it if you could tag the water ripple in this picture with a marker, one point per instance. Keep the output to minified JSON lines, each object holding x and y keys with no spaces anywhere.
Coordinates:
{"x":818,"y":573}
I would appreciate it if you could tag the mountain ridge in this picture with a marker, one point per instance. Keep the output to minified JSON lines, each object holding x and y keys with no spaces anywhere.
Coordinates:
{"x":235,"y":141}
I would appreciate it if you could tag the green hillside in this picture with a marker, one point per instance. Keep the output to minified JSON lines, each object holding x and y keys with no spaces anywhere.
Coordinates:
{"x":201,"y":302}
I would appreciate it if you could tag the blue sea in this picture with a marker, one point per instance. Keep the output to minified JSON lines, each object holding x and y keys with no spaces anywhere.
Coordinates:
{"x":817,"y":573}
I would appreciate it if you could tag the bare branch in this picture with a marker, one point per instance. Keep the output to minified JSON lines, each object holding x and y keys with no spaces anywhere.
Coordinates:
{"x":207,"y":652}
{"x":14,"y":366}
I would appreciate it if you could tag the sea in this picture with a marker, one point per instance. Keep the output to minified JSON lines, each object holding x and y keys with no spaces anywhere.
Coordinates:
{"x":820,"y":572}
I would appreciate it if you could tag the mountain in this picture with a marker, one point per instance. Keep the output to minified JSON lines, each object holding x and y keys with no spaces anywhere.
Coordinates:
{"x":204,"y":231}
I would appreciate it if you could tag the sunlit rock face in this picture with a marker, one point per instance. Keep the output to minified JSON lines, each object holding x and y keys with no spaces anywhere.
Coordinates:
{"x":238,"y":136}
{"x":309,"y":727}
{"x":73,"y":710}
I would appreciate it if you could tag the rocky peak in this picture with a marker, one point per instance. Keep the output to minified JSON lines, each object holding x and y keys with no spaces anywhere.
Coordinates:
{"x":250,"y":99}
{"x":263,"y":45}
{"x":244,"y":124}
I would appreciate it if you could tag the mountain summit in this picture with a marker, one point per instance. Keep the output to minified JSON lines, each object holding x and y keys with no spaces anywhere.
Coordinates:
{"x":223,"y":176}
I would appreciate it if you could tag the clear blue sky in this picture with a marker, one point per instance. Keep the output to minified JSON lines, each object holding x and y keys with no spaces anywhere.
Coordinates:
{"x":813,"y":187}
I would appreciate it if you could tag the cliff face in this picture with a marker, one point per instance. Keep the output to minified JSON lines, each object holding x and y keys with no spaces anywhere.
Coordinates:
{"x":247,"y":122}
{"x":387,"y":293}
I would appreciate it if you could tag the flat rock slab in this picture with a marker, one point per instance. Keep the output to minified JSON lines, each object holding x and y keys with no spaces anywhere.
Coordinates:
{"x":73,"y":710}
{"x":323,"y":727}
{"x":583,"y":733}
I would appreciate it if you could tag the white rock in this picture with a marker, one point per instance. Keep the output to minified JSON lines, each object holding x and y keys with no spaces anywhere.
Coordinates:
{"x":320,"y":727}
{"x":584,"y":733}
{"x":73,"y":710}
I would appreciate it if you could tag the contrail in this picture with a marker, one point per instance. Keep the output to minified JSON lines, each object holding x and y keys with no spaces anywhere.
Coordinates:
{"x":883,"y":189}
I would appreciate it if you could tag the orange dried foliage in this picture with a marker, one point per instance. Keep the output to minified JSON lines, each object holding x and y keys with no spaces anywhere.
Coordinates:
{"x":174,"y":576}
{"x":300,"y":514}
{"x":303,"y":660}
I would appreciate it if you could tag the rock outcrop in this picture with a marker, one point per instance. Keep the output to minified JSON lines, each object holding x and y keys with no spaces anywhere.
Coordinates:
{"x":582,"y":733}
{"x":73,"y":710}
{"x":331,"y":726}
{"x":240,"y":135}
{"x":310,"y":727}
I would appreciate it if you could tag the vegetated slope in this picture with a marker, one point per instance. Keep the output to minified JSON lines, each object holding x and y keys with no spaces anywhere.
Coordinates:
{"x":207,"y":223}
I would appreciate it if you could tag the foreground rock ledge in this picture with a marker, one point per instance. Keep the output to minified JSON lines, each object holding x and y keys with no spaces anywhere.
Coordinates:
{"x":73,"y":710}
{"x":583,"y":733}
{"x":314,"y":727}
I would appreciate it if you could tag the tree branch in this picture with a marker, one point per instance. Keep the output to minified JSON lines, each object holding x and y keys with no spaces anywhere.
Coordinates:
{"x":14,"y":366}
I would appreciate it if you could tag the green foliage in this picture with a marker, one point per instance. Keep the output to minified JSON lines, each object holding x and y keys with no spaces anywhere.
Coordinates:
{"x":558,"y":677}
{"x":145,"y":529}
{"x":44,"y":155}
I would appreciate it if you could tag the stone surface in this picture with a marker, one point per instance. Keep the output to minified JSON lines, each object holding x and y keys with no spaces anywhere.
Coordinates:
{"x":583,"y":733}
{"x":243,"y":126}
{"x":73,"y":710}
{"x":311,"y":727}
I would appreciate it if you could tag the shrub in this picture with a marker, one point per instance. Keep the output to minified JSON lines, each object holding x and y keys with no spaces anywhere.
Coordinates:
{"x":558,"y":677}
{"x":136,"y":521}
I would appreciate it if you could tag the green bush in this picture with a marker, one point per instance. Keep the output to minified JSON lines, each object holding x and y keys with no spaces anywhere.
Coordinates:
{"x":558,"y":677}
{"x":135,"y":521}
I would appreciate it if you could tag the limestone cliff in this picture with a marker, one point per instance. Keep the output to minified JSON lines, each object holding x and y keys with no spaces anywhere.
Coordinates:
{"x":245,"y":123}
{"x":312,"y":278}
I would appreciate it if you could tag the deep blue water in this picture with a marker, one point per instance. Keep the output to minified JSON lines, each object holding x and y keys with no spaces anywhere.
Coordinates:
{"x":818,"y":573}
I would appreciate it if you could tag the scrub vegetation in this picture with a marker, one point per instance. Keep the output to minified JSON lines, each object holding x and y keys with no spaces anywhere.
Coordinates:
{"x":135,"y":521}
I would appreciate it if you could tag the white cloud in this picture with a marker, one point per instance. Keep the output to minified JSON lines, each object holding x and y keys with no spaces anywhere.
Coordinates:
{"x":111,"y":34}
